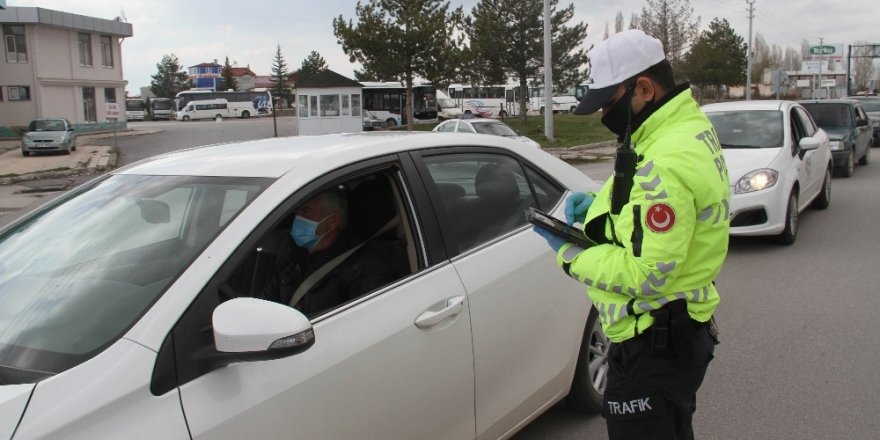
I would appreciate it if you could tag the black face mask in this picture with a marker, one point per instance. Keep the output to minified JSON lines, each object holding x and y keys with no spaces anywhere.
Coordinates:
{"x":616,"y":118}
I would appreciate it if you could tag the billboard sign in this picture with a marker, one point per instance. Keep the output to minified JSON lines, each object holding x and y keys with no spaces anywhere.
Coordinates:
{"x":825,"y":52}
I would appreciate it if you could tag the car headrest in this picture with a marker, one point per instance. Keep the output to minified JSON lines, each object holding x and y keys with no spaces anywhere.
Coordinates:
{"x":496,"y":184}
{"x":371,"y":205}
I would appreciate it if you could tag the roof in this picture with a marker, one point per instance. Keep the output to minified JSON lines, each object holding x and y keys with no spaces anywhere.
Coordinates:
{"x":274,"y":157}
{"x":327,"y":79}
{"x":206,"y":65}
{"x":241,"y":71}
{"x":49,"y":17}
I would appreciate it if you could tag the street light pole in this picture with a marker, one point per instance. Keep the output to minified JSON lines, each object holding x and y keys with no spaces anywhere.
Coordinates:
{"x":821,"y":49}
{"x":749,"y":60}
{"x":548,"y":75}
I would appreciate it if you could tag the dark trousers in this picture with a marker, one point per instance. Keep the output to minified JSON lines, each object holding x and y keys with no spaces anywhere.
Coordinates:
{"x":650,"y":396}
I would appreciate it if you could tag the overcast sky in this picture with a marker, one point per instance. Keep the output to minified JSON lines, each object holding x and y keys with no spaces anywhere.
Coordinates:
{"x":248,"y":31}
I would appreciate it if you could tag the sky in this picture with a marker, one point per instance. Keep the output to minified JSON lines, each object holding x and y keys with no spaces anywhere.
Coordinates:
{"x":248,"y":32}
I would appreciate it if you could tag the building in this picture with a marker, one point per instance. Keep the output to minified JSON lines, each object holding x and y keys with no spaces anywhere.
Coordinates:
{"x":328,"y":102}
{"x":244,"y":77}
{"x":206,"y":75}
{"x":60,"y":64}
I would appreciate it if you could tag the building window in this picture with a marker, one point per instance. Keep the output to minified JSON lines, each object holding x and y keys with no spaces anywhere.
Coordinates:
{"x":19,"y":93}
{"x":85,"y":49}
{"x":106,"y":51}
{"x":355,"y":105}
{"x":346,"y":108}
{"x":16,"y":46}
{"x":303,"y":110}
{"x":313,"y":106}
{"x":109,"y":95}
{"x":329,"y":105}
{"x":89,"y":104}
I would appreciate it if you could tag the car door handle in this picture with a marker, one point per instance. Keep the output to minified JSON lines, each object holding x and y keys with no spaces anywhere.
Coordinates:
{"x":440,"y":312}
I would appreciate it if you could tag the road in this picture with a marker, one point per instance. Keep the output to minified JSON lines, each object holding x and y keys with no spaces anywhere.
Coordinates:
{"x":799,"y":357}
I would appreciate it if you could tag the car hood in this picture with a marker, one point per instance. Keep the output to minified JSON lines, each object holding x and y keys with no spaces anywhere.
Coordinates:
{"x":742,"y":160}
{"x":46,"y":135}
{"x":13,"y":401}
{"x":837,"y":132}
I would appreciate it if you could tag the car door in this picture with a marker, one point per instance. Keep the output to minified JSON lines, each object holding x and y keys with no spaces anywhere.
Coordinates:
{"x":863,"y":129}
{"x":395,"y":363}
{"x":527,"y":318}
{"x":809,"y":163}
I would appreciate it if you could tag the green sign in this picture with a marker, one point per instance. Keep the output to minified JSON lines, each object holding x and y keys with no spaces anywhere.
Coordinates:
{"x":822,"y":50}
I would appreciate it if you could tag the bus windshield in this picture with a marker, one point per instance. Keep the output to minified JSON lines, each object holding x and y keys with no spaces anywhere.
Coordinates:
{"x":134,"y":105}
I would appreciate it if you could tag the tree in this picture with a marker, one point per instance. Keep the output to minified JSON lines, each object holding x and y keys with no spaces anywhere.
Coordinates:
{"x":312,"y":64}
{"x":862,"y":65}
{"x":279,"y":74}
{"x":511,"y":34}
{"x":403,"y":39}
{"x":671,"y":22}
{"x":228,"y":81}
{"x":717,"y":58}
{"x":169,"y":78}
{"x":634,"y":21}
{"x":618,"y":23}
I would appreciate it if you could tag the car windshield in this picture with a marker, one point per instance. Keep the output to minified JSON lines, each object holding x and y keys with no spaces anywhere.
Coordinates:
{"x":494,"y":127}
{"x":748,"y":128}
{"x":446,"y":103}
{"x":830,"y":115}
{"x":46,"y":125}
{"x":871,"y":105}
{"x":79,"y":272}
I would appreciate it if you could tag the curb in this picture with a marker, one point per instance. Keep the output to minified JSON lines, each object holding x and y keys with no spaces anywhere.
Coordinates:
{"x":97,"y":163}
{"x":586,"y":153}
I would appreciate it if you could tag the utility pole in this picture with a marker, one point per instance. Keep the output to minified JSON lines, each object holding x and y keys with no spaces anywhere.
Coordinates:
{"x":548,"y":75}
{"x":820,"y":63}
{"x":751,"y":4}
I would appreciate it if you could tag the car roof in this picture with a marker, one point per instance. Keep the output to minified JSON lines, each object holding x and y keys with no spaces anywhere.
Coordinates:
{"x":747,"y":105}
{"x":274,"y":157}
{"x":829,"y":101}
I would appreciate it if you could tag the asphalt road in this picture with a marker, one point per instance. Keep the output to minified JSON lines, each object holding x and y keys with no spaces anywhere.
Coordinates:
{"x":799,"y":357}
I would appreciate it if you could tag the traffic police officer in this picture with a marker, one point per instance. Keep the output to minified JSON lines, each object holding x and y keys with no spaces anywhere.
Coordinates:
{"x":661,"y":238}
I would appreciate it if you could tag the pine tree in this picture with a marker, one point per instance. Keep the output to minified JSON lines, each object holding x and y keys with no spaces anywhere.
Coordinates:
{"x":229,"y":82}
{"x":279,"y":74}
{"x":717,"y":58}
{"x":312,"y":64}
{"x":169,"y":78}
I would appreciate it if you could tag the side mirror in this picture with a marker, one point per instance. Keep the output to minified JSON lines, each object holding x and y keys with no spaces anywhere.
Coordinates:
{"x":861,"y":123}
{"x":808,"y":143}
{"x":251,"y":329}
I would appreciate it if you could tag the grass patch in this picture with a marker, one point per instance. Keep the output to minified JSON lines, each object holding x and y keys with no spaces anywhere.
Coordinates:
{"x":568,"y":130}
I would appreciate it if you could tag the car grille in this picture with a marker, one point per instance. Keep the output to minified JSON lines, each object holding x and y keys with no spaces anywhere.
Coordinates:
{"x":751,"y":217}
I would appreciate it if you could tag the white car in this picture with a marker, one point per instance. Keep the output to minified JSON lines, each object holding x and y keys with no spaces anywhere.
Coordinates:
{"x":483,"y":126}
{"x":129,"y":307}
{"x":778,"y":161}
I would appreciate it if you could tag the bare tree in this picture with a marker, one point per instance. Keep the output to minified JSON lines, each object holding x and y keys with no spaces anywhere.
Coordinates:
{"x":606,"y":34}
{"x":634,"y":21}
{"x":791,"y":60}
{"x":863,"y":69}
{"x":671,"y":22}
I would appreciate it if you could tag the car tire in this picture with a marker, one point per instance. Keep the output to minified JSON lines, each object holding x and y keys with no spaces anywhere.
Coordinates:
{"x":824,"y":198}
{"x":572,"y":109}
{"x":66,"y":151}
{"x":390,"y":123}
{"x":25,"y":153}
{"x":848,"y":170}
{"x":591,"y":372}
{"x":245,"y":114}
{"x":218,"y":118}
{"x":866,"y":158}
{"x":541,"y":110}
{"x":789,"y":234}
{"x":502,"y":113}
{"x":186,"y":118}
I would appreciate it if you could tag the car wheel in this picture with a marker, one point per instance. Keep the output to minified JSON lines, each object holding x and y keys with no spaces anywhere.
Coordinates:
{"x":541,"y":111}
{"x":789,"y":234}
{"x":186,"y":118}
{"x":25,"y":153}
{"x":218,"y":118}
{"x":245,"y":114}
{"x":66,"y":151}
{"x":848,"y":170}
{"x":824,"y":198}
{"x":572,"y":109}
{"x":390,"y":123}
{"x":591,"y":373}
{"x":502,"y":113}
{"x":867,"y":157}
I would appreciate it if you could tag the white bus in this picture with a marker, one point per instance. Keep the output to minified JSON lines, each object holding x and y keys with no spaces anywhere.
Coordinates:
{"x":240,"y":104}
{"x":387,"y":100}
{"x":502,"y":100}
{"x":135,"y":110}
{"x":208,"y":109}
{"x":160,"y":108}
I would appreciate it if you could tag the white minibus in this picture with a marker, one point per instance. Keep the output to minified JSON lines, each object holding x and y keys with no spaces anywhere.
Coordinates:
{"x":207,"y":109}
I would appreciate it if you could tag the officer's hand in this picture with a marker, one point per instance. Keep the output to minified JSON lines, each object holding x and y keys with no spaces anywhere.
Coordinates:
{"x":553,"y":240}
{"x":576,"y":206}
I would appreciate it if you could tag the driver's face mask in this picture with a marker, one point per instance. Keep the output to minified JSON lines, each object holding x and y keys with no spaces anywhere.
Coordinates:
{"x":304,"y":232}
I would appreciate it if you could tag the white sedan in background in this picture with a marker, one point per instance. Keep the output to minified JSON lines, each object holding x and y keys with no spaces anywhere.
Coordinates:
{"x":131,"y":307}
{"x":778,"y":161}
{"x":483,"y":126}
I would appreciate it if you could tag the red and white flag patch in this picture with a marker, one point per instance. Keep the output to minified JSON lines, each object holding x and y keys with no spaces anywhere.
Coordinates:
{"x":660,"y":217}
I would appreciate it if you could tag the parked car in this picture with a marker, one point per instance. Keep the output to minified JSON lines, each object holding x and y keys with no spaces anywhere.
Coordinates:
{"x":871,"y":104}
{"x":483,"y":126}
{"x":778,"y":162}
{"x":846,"y":123}
{"x":48,"y":134}
{"x":371,"y":121}
{"x":143,"y":317}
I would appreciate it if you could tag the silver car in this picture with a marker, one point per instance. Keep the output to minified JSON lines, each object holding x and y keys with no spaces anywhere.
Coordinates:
{"x":49,"y":134}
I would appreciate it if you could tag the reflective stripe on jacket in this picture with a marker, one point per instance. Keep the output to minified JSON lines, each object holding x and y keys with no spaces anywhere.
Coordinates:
{"x":670,"y":240}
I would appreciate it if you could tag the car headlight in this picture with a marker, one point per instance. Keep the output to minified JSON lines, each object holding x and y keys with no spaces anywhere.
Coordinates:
{"x":836,"y":145}
{"x":756,"y":181}
{"x":875,"y":123}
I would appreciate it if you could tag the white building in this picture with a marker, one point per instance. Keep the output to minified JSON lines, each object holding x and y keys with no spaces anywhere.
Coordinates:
{"x":60,"y":64}
{"x":328,"y":103}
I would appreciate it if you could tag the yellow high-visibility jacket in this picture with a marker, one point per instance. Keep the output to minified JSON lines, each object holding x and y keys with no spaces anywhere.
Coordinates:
{"x":670,"y":240}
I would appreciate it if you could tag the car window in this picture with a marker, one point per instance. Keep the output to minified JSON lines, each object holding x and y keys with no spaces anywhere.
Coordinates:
{"x":797,"y":133}
{"x":547,"y":192}
{"x":447,"y":127}
{"x":483,"y":195}
{"x":47,"y":125}
{"x":830,"y":115}
{"x":496,"y":128}
{"x":748,"y":128}
{"x":464,"y":127}
{"x":354,"y":231}
{"x":806,"y":121}
{"x":80,"y":272}
{"x":861,"y":114}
